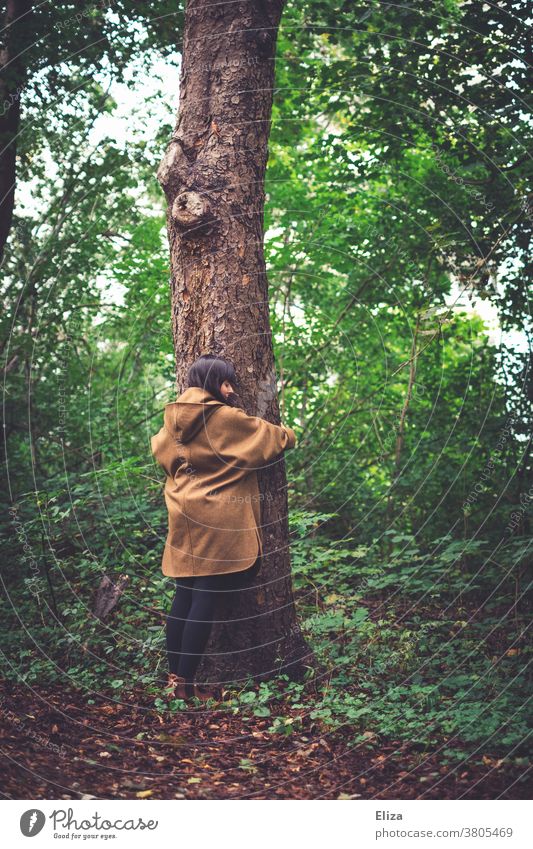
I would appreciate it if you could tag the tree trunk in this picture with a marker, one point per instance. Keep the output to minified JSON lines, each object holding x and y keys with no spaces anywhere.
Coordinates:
{"x":213,"y":177}
{"x":400,"y":433}
{"x":12,"y":78}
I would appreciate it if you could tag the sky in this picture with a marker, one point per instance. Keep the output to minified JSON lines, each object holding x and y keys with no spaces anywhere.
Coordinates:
{"x":159,"y":86}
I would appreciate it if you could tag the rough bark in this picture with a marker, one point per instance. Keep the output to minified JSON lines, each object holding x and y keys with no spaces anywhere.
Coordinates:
{"x":400,"y":432}
{"x":213,"y":177}
{"x":15,"y":25}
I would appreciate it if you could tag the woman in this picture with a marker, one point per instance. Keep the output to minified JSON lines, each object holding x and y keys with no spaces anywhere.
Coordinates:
{"x":209,"y":449}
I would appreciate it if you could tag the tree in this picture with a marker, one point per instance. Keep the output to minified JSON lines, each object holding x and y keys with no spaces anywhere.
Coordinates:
{"x":213,"y":177}
{"x":11,"y":84}
{"x":49,"y":50}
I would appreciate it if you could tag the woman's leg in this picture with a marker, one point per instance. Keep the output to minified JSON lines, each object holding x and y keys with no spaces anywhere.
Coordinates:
{"x":205,"y":593}
{"x":176,"y":620}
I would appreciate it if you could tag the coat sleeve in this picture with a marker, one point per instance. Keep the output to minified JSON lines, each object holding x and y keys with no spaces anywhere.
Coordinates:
{"x":251,"y":440}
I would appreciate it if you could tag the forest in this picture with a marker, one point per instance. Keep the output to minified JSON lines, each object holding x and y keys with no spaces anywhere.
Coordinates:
{"x":344,"y":210}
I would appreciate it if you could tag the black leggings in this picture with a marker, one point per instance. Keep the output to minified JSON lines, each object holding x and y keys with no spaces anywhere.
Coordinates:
{"x":191,"y":616}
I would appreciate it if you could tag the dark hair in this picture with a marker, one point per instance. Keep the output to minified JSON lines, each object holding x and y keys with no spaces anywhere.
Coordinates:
{"x":209,"y":372}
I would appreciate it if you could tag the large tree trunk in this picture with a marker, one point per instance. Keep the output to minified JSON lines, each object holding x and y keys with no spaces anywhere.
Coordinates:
{"x":213,"y":176}
{"x":12,"y":78}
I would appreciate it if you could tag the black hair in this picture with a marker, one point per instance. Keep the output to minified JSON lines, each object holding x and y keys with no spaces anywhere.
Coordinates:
{"x":209,"y":372}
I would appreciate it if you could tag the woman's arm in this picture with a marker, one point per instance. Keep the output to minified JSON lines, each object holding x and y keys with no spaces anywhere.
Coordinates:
{"x":291,"y":434}
{"x":250,"y":440}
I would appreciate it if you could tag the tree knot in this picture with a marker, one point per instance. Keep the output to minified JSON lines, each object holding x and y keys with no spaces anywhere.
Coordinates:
{"x":191,"y":211}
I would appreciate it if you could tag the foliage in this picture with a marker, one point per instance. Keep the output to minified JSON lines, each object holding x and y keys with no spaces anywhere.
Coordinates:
{"x":396,"y":176}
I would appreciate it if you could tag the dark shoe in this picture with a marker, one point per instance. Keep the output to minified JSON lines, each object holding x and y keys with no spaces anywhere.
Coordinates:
{"x":206,"y":693}
{"x":177,"y":687}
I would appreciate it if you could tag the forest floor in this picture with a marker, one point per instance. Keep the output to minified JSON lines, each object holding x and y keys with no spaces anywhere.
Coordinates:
{"x":57,"y":746}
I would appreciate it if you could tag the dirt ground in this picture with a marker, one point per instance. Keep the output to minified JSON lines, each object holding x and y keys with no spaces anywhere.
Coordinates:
{"x":56,"y":746}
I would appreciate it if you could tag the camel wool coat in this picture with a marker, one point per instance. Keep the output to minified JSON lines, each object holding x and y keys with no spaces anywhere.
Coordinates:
{"x":210,"y":453}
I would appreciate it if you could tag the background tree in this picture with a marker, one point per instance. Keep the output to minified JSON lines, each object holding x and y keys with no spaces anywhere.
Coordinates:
{"x":50,"y":50}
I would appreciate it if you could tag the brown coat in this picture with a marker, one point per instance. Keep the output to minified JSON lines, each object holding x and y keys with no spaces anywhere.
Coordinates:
{"x":210,"y":452}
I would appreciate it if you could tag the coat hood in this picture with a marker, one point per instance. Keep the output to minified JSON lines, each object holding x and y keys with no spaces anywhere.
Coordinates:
{"x":186,"y":416}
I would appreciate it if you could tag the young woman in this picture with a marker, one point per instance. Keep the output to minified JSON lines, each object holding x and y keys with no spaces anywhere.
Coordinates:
{"x":210,"y":450}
